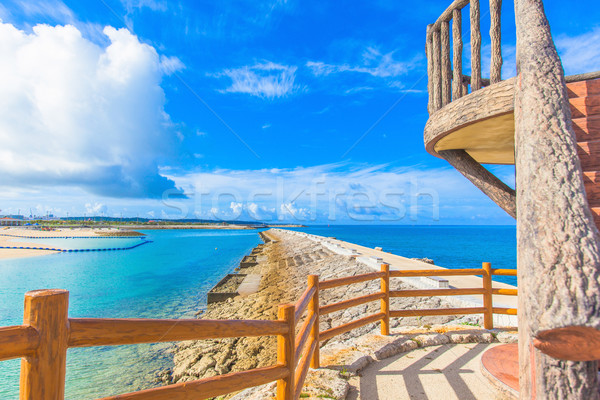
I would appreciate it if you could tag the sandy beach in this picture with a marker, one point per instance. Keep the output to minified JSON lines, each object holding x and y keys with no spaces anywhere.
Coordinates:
{"x":16,"y":236}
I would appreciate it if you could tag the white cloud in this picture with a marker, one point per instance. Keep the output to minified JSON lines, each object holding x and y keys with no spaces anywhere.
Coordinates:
{"x":96,"y":208}
{"x":73,"y":113}
{"x":580,"y":54}
{"x":154,"y":5}
{"x":236,"y":208}
{"x":267,"y":80}
{"x":55,"y":9}
{"x":339,"y":192}
{"x":373,"y":63}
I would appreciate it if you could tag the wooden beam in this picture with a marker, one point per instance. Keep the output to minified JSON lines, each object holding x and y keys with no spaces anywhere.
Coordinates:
{"x":86,"y":332}
{"x":436,"y":272}
{"x":357,"y":301}
{"x":436,"y":311}
{"x":436,"y":292}
{"x":338,"y":330}
{"x":483,"y":179}
{"x":209,"y":387}
{"x":371,"y":276}
{"x":302,"y":303}
{"x":18,"y":341}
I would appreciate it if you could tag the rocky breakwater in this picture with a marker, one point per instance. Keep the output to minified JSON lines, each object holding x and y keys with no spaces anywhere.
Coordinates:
{"x":285,"y":261}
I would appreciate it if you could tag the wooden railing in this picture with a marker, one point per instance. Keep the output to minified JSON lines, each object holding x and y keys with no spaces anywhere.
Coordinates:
{"x":47,"y":332}
{"x":446,"y":79}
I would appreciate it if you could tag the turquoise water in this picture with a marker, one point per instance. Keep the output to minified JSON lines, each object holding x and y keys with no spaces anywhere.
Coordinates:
{"x":168,"y":278}
{"x":78,"y":243}
{"x":448,"y":246}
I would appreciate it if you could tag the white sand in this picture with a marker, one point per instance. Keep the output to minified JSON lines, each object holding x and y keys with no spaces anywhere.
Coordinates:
{"x":21,"y":253}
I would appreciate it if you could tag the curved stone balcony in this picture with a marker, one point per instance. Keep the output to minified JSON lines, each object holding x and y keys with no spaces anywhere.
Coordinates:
{"x":481,"y":123}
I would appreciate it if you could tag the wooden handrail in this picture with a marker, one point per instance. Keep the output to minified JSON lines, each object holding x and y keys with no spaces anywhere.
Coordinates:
{"x":437,"y":311}
{"x":506,"y":292}
{"x":357,"y":301}
{"x":350,"y":280}
{"x":302,"y":303}
{"x":18,"y":341}
{"x":304,"y":335}
{"x":435,"y":272}
{"x":46,"y":309}
{"x":338,"y":330}
{"x":209,"y":387}
{"x":436,"y":292}
{"x":504,"y":272}
{"x":86,"y":332}
{"x":507,"y":311}
{"x":302,"y":369}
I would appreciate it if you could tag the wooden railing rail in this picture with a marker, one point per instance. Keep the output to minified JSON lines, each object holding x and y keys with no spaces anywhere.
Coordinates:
{"x":18,"y":341}
{"x":47,"y":333}
{"x":209,"y":387}
{"x":350,"y":280}
{"x":436,"y":272}
{"x":446,"y":81}
{"x":87,"y":332}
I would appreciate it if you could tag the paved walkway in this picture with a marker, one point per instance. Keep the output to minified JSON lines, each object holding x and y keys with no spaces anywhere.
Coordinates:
{"x":445,"y":372}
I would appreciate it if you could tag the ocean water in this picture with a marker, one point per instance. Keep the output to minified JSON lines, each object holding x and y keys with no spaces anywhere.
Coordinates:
{"x":168,"y":278}
{"x":447,"y":246}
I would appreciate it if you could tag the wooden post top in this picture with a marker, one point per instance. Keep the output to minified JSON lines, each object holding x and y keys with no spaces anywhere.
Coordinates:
{"x":46,"y":292}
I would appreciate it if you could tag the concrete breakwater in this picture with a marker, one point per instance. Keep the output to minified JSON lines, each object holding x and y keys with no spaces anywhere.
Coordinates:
{"x":284,"y":262}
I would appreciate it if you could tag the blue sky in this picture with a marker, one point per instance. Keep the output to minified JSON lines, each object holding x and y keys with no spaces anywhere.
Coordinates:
{"x":274,"y":110}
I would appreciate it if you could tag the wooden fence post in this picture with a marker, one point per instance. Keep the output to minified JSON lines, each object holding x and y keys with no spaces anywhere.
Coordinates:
{"x":43,"y":373}
{"x":286,"y":351}
{"x":313,"y":307}
{"x":385,"y":302}
{"x":488,"y":316}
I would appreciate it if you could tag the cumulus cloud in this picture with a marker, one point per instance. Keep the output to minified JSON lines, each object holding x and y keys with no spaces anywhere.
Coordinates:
{"x":73,"y":113}
{"x":267,"y":80}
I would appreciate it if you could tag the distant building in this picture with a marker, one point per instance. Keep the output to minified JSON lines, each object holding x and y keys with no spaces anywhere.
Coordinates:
{"x":6,"y":221}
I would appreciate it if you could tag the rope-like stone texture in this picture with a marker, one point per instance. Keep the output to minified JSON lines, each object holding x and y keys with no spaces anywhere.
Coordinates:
{"x":446,"y":68}
{"x":488,"y":102}
{"x":475,"y":46}
{"x":558,"y":252}
{"x":437,"y":73}
{"x":457,"y":85}
{"x":429,"y":55}
{"x":496,"y":39}
{"x":488,"y":183}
